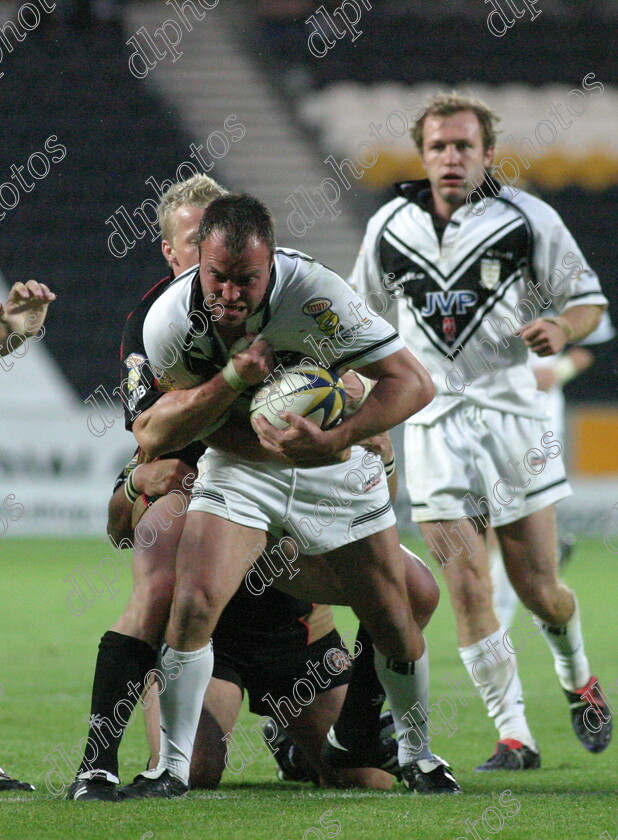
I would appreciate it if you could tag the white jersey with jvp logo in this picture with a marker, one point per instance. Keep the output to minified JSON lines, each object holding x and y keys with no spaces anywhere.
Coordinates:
{"x":501,"y":263}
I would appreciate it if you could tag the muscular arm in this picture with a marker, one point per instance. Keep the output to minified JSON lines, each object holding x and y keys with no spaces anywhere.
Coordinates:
{"x":157,"y":478}
{"x":180,"y":417}
{"x":582,"y":320}
{"x":402,"y":388}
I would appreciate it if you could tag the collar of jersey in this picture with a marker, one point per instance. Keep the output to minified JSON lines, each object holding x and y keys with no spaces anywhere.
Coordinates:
{"x":418,"y":192}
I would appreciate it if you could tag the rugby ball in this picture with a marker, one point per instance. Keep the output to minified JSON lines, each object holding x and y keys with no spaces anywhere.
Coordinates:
{"x":312,"y":392}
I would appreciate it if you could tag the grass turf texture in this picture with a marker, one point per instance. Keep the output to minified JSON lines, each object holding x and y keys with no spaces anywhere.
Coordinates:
{"x":47,"y":659}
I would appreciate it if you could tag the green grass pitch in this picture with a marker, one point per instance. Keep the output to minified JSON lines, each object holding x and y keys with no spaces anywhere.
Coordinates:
{"x":46,"y":665}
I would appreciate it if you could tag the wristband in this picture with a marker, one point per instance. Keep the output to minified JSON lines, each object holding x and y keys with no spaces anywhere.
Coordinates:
{"x":130,"y":490}
{"x":561,"y":322}
{"x":351,"y":406}
{"x":232,"y":378}
{"x":389,"y":467}
{"x":565,"y":370}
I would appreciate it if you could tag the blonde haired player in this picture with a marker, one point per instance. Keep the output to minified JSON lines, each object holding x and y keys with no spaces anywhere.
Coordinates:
{"x":473,"y":268}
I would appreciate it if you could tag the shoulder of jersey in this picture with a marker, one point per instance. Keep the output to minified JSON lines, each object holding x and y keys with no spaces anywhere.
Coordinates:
{"x":391,"y":207}
{"x":189,"y":273}
{"x":285,"y":255}
{"x":293,"y":265}
{"x":173,"y":304}
{"x":534,"y":207}
{"x":180,"y":286}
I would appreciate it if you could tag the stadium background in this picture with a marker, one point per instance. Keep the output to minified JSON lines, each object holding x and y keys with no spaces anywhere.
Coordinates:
{"x":267,"y":116}
{"x":69,"y":77}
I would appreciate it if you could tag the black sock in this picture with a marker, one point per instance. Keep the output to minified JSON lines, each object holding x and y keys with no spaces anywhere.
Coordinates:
{"x":359,"y":719}
{"x":122,"y":665}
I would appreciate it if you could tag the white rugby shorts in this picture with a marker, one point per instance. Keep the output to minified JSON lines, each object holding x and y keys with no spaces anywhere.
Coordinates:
{"x":473,"y":453}
{"x":322,"y":508}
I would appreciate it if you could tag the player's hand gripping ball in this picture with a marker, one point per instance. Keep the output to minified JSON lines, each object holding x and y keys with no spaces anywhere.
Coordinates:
{"x":313,"y":392}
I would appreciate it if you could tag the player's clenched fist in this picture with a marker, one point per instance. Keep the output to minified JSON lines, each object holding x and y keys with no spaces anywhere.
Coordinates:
{"x":255,"y":362}
{"x":546,"y":336}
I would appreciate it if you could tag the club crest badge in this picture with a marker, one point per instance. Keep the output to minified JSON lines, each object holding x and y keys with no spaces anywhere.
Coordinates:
{"x":325,"y":318}
{"x":490,"y":273}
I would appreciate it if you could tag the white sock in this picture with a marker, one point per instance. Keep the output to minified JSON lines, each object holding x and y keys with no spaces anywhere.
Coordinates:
{"x":504,"y":597}
{"x":493,"y":670}
{"x":408,"y":699}
{"x":187,"y":675}
{"x":567,"y":646}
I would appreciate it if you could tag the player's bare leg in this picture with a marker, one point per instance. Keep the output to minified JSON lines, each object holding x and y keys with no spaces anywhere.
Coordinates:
{"x":213,"y":557}
{"x":462,"y":558}
{"x":154,"y":575}
{"x":460,"y":550}
{"x":529,"y":547}
{"x":128,"y":652}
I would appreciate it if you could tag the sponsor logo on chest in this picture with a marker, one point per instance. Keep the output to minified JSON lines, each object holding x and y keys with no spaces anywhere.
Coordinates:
{"x":448,"y":303}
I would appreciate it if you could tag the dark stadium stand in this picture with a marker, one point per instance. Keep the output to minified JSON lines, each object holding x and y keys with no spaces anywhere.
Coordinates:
{"x":116,"y":135}
{"x":454,"y":49}
{"x":451,"y":50}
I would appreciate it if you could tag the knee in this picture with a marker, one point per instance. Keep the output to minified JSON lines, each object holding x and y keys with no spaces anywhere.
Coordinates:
{"x":195,"y":603}
{"x":425,"y":600}
{"x":545,"y":599}
{"x":205,"y":778}
{"x":156,"y":592}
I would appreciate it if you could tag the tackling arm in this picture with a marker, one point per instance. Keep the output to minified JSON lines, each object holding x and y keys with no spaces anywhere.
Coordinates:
{"x":180,"y":417}
{"x":158,"y":478}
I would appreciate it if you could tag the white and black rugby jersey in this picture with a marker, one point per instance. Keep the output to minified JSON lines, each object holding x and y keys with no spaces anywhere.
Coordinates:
{"x":501,"y":262}
{"x":308,"y":312}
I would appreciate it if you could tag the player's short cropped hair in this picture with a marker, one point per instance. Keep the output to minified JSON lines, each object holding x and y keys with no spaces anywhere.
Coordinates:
{"x":238,"y":217}
{"x":446,"y":104}
{"x":196,"y":191}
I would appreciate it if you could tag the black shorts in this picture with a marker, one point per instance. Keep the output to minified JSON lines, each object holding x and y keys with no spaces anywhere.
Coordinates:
{"x":269,"y":673}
